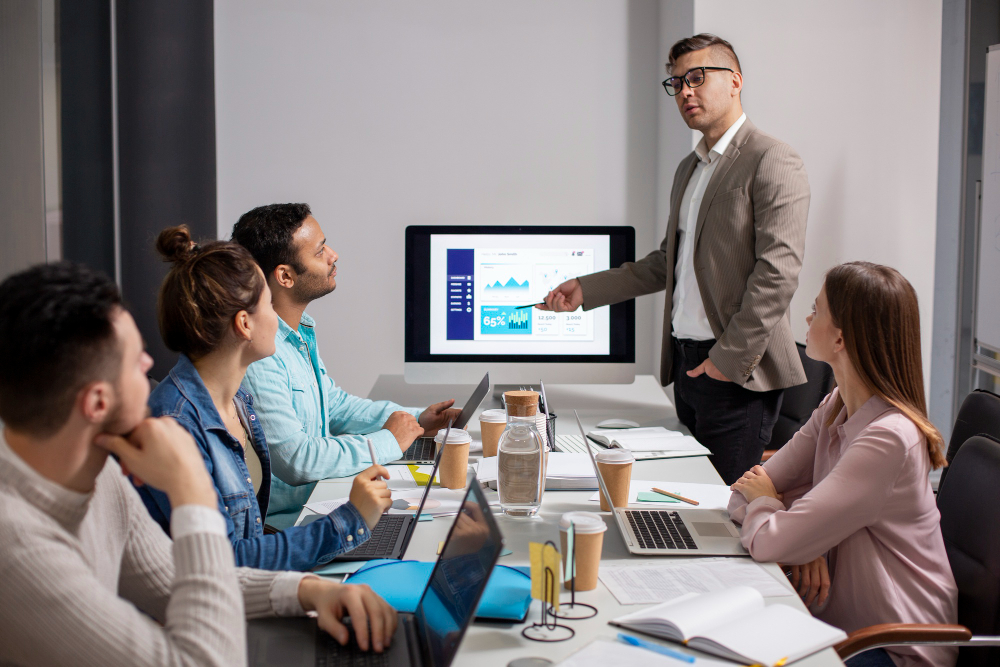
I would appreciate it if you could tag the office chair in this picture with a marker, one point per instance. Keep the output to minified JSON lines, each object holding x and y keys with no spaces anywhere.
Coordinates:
{"x":970,"y":525}
{"x":979,"y":415}
{"x":799,"y":402}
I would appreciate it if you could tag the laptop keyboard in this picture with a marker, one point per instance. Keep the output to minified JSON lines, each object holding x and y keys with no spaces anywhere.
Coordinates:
{"x":660,"y":529}
{"x":331,"y":654}
{"x":383,"y":538}
{"x":574,"y":444}
{"x":421,"y":450}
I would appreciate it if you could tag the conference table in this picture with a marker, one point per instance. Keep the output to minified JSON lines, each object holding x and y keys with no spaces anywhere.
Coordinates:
{"x":643,"y":401}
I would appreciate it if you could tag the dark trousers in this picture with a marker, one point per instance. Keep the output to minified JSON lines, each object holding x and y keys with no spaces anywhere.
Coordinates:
{"x":733,"y":422}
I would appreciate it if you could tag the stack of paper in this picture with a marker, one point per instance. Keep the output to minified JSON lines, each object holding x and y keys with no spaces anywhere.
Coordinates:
{"x":650,"y":439}
{"x":568,"y":471}
{"x":659,"y":581}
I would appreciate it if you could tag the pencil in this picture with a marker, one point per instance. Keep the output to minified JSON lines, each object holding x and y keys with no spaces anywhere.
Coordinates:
{"x":530,"y":305}
{"x":675,"y":496}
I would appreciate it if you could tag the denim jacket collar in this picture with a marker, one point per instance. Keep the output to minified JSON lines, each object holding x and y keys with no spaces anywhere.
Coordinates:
{"x":192,"y":388}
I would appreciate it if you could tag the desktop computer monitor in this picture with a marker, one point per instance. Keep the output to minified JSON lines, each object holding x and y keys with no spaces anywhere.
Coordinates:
{"x":464,"y":289}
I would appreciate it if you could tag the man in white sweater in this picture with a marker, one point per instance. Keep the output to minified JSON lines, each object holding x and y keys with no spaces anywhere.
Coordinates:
{"x":89,"y":578}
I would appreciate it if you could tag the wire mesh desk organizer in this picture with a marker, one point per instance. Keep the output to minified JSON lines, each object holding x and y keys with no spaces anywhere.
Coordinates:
{"x":573,"y":610}
{"x":545,"y":582}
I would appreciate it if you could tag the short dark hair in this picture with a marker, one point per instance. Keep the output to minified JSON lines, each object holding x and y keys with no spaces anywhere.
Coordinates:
{"x":266,"y":232}
{"x":57,"y":335}
{"x":203,"y":291}
{"x":703,"y":41}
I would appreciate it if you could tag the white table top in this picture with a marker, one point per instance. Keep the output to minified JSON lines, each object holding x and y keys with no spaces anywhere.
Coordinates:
{"x":643,"y":401}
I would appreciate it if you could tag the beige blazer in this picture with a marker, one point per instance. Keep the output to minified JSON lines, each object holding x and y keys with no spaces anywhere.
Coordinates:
{"x":749,"y":242}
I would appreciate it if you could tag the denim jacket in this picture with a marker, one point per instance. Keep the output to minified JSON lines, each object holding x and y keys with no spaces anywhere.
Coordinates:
{"x":315,"y":430}
{"x":183,"y":396}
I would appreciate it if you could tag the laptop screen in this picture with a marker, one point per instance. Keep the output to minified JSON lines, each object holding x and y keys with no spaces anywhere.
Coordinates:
{"x":474,"y":402}
{"x":459,"y":578}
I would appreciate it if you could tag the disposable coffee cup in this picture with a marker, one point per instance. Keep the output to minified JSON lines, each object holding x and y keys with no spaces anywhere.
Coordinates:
{"x":491,"y":425}
{"x":616,"y":469}
{"x":588,"y":538}
{"x":454,"y":466}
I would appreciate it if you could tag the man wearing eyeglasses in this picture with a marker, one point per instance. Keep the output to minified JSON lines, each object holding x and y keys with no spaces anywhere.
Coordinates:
{"x":731,"y":260}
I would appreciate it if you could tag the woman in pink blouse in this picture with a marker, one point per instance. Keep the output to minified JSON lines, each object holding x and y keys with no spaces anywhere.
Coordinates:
{"x":847,"y":502}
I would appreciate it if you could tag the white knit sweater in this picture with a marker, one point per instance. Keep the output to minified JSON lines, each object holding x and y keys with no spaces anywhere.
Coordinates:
{"x":90,"y":579}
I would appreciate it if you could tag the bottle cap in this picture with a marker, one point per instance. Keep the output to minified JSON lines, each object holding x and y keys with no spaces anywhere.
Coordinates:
{"x":521,"y":403}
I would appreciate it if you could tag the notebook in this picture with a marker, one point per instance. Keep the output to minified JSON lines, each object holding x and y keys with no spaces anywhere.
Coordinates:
{"x":735,"y":624}
{"x":649,"y":439}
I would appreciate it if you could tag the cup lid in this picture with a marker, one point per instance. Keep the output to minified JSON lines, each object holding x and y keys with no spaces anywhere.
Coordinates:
{"x":456,"y":437}
{"x":583,"y":522}
{"x":615,"y":455}
{"x":493,"y":416}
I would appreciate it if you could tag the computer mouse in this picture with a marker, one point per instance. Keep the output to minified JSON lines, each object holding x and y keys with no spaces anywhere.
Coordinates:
{"x":618,"y":423}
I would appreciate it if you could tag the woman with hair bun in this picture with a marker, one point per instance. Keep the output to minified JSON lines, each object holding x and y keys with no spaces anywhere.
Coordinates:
{"x":215,"y":310}
{"x":847,"y":502}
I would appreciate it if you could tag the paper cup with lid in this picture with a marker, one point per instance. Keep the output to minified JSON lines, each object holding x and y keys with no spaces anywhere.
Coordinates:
{"x":588,"y":539}
{"x":454,"y":466}
{"x":491,"y":425}
{"x":616,"y":469}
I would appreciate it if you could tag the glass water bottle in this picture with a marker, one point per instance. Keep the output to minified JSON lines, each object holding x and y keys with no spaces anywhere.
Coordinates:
{"x":521,"y":455}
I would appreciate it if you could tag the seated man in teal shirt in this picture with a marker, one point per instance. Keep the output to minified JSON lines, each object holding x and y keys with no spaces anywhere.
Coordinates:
{"x":314,"y":429}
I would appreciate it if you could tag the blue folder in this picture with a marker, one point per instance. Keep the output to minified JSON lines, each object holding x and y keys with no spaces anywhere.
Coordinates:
{"x":402,"y":582}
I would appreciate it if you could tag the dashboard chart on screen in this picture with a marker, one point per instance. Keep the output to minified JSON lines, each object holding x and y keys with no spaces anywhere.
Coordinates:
{"x":471,"y":291}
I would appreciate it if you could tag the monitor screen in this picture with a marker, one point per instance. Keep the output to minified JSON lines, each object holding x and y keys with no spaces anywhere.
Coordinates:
{"x":469,"y":292}
{"x":459,"y":578}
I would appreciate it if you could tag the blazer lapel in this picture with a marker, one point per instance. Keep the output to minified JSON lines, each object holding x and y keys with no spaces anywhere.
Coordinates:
{"x":678,"y":192}
{"x":726,"y":161}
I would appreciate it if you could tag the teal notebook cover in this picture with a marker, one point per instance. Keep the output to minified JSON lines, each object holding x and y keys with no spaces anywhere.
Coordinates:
{"x":402,"y":582}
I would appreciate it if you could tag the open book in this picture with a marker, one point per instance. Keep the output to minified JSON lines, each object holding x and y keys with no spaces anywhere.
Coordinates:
{"x":649,"y":439}
{"x":735,"y":624}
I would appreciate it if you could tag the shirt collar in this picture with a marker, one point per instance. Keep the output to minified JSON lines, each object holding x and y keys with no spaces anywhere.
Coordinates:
{"x":851,"y":427}
{"x":66,"y":506}
{"x":721,"y":145}
{"x":284,"y":330}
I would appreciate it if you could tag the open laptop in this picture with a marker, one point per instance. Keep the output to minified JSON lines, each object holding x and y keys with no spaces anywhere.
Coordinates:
{"x":421,"y":452}
{"x":392,"y":533}
{"x":673,"y":531}
{"x":428,"y":638}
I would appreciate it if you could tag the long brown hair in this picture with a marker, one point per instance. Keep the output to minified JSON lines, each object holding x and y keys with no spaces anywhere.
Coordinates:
{"x":204,"y":290}
{"x":876,"y":309}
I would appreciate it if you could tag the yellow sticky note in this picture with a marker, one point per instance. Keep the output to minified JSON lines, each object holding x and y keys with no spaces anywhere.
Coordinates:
{"x":545,"y":557}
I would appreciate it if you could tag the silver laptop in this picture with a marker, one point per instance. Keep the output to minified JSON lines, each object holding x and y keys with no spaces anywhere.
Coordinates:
{"x":428,"y":638}
{"x":672,"y":531}
{"x":421,"y":452}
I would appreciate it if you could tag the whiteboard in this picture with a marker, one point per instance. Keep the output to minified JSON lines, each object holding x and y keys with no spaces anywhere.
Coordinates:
{"x":988,"y":261}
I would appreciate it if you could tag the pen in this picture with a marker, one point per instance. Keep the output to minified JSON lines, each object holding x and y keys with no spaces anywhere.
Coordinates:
{"x":674,"y":495}
{"x":655,"y":648}
{"x":371,"y":452}
{"x":530,"y":305}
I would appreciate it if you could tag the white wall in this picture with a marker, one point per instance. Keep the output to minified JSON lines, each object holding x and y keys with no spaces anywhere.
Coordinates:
{"x":854,"y":86}
{"x":382,"y":114}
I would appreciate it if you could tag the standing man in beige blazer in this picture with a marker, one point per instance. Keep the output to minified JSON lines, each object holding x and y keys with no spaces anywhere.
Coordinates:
{"x":731,"y":259}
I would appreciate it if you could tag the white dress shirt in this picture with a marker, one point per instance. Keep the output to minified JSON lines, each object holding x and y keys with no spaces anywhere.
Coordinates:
{"x":688,"y":313}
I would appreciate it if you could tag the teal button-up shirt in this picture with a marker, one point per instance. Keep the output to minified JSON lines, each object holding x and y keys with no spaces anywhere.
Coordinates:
{"x":314,"y":429}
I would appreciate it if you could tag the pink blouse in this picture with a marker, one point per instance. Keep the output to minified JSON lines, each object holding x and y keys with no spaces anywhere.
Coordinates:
{"x":858,"y":492}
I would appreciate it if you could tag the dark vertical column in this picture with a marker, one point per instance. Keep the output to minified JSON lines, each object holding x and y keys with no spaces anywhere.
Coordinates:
{"x":85,"y":111}
{"x":166,"y":139}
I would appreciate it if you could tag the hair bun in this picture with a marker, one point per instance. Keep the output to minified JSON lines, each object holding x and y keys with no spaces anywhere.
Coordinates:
{"x":175,"y":244}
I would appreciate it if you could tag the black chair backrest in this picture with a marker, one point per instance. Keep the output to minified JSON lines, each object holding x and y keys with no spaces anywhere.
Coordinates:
{"x":799,"y":402}
{"x":979,"y":415}
{"x":970,"y":525}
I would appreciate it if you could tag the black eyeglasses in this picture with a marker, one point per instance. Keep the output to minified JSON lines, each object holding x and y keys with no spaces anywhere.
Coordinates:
{"x":694,"y":78}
